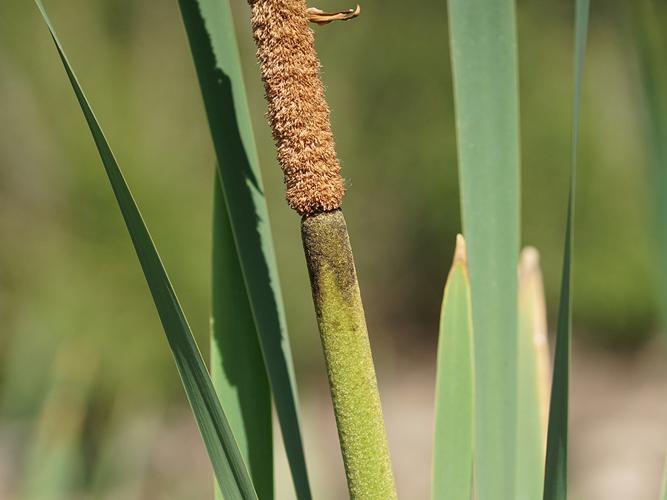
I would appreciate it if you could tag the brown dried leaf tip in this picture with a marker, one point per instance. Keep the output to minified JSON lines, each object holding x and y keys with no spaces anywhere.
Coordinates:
{"x":298,"y":113}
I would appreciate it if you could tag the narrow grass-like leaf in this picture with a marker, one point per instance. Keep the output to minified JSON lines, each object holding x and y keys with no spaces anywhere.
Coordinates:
{"x":555,"y":476}
{"x":664,"y":483}
{"x":233,"y":477}
{"x":454,"y":390}
{"x":210,"y":29}
{"x":484,"y":65}
{"x":237,"y":367}
{"x":534,"y":378}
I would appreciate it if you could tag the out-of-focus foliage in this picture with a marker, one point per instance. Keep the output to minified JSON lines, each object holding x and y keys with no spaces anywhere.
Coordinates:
{"x":650,"y":43}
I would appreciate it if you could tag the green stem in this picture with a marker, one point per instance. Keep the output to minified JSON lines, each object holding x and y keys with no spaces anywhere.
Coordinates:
{"x":340,"y":316}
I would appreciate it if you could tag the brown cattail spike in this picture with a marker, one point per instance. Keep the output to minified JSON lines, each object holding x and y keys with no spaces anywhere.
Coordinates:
{"x":298,"y":112}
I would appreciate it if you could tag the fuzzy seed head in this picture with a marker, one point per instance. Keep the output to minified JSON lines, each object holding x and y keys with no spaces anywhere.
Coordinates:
{"x":298,"y":113}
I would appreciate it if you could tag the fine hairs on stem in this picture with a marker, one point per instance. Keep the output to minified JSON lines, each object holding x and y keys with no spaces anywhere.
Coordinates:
{"x":347,"y":350}
{"x":299,"y":118}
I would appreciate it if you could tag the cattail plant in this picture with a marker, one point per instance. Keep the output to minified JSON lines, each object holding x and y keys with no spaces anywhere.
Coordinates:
{"x":492,"y":369}
{"x":299,"y":118}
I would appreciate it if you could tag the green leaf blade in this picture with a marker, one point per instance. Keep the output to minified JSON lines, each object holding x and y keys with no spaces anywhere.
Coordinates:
{"x":555,"y":479}
{"x":237,"y":367}
{"x":484,"y":65}
{"x":454,"y":396}
{"x":534,"y":378}
{"x":223,"y":451}
{"x":210,"y":30}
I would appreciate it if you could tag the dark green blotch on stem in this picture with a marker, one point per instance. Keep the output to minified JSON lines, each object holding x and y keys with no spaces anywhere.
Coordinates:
{"x":340,"y":317}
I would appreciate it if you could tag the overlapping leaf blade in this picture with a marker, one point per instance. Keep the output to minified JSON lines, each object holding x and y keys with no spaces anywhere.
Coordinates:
{"x":237,"y":367}
{"x":555,"y":479}
{"x":484,"y":64}
{"x":534,"y":374}
{"x":231,"y":472}
{"x":210,"y":30}
{"x":454,"y":393}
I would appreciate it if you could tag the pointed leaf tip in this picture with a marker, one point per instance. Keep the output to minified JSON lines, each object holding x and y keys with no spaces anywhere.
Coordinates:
{"x":529,"y":261}
{"x":460,"y":255}
{"x":534,"y":376}
{"x":454,"y":397}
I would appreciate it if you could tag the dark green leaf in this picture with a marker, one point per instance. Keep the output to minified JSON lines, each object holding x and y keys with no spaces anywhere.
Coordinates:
{"x":233,"y":477}
{"x":214,"y":48}
{"x":555,"y":478}
{"x":237,"y":368}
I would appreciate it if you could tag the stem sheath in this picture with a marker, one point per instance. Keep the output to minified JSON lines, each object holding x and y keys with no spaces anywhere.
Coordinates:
{"x":340,"y":317}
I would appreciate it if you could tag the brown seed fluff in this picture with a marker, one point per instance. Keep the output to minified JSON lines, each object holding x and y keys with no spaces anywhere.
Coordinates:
{"x":298,"y":112}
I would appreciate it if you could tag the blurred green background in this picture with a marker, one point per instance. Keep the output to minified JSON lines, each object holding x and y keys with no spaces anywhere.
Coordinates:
{"x":70,"y":285}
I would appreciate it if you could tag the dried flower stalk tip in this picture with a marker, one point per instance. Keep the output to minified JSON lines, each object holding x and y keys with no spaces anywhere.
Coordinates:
{"x":298,"y":113}
{"x":318,"y":16}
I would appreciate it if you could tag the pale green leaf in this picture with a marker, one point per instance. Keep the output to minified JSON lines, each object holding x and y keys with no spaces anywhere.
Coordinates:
{"x":454,"y":391}
{"x":534,"y":375}
{"x":484,"y":65}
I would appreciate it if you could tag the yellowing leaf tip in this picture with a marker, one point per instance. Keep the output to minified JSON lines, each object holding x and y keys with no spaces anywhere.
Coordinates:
{"x":460,"y":255}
